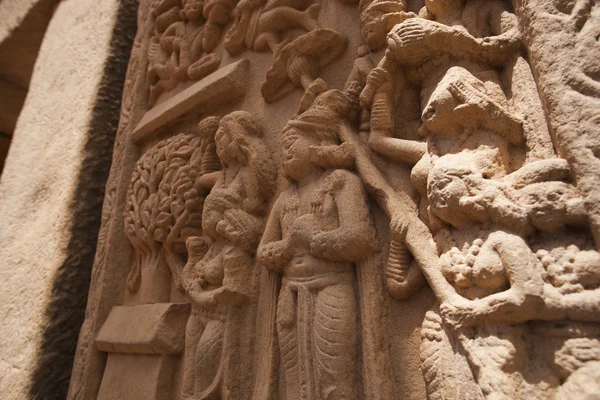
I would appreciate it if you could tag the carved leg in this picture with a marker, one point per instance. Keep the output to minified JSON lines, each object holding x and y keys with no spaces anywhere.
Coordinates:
{"x":208,"y":361}
{"x":288,"y":341}
{"x":204,"y":66}
{"x":212,"y":35}
{"x":264,"y":41}
{"x":180,"y":60}
{"x":335,"y":340}
{"x":193,"y":333}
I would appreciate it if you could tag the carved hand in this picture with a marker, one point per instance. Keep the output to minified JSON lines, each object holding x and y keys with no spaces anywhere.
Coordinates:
{"x":303,"y":230}
{"x":228,"y":231}
{"x":412,"y":41}
{"x":222,"y":200}
{"x":399,"y":226}
{"x":201,"y":297}
{"x":459,"y":312}
{"x":274,"y":255}
{"x":378,"y":80}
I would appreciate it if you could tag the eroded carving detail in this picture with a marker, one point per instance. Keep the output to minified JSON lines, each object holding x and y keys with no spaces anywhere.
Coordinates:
{"x":435,"y":167}
{"x":182,"y":46}
{"x":492,"y":193}
{"x":164,"y":208}
{"x":218,"y":276}
{"x":290,"y":31}
{"x":316,"y":231}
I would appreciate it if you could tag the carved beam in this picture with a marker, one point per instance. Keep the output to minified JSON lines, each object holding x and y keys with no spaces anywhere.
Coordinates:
{"x":222,"y":87}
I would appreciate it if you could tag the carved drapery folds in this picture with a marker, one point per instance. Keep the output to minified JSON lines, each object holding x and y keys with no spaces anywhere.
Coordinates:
{"x":420,"y":220}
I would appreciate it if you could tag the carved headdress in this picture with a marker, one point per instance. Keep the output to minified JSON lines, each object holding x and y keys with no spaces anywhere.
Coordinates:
{"x":247,"y":134}
{"x":322,"y":120}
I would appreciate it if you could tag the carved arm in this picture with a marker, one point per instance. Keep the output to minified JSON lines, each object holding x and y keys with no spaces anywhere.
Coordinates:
{"x":521,"y":302}
{"x":273,"y":250}
{"x":352,"y":240}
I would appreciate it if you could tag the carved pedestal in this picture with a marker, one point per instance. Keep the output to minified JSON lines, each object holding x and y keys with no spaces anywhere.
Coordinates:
{"x":144,"y":344}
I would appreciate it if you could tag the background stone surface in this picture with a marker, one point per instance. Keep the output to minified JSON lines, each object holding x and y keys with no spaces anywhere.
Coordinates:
{"x":22,"y":28}
{"x":52,"y":188}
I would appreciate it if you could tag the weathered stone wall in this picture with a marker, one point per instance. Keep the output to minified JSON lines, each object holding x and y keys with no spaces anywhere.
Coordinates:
{"x":325,"y":199}
{"x":52,"y":188}
{"x":22,"y":28}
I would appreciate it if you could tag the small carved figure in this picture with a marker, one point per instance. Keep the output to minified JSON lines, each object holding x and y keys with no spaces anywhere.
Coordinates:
{"x":378,"y":17}
{"x":217,"y":14}
{"x":298,"y":64}
{"x":268,"y":27}
{"x":449,"y":34}
{"x":316,"y":231}
{"x":217,"y":276}
{"x":178,"y":54}
{"x":289,"y":29}
{"x":453,"y":27}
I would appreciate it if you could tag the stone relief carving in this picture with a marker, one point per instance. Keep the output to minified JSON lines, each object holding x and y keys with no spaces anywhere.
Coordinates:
{"x":186,"y":33}
{"x":436,"y":173}
{"x":567,"y":79}
{"x":289,"y":29}
{"x":269,"y":26}
{"x":164,"y":208}
{"x":487,"y":212}
{"x":218,"y":274}
{"x":316,"y":231}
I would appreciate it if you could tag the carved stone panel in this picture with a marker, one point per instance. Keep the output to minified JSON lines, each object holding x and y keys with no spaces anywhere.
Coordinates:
{"x":330,"y":200}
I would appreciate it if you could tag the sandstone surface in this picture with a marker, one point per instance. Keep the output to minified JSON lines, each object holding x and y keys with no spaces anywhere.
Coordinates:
{"x":352,"y":200}
{"x":51,"y":189}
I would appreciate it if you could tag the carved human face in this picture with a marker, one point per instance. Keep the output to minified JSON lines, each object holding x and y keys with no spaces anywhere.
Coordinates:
{"x":295,"y":155}
{"x":374,"y":31}
{"x":437,"y":115}
{"x":192,"y":9}
{"x":225,"y":144}
{"x":451,"y":194}
{"x":445,"y":190}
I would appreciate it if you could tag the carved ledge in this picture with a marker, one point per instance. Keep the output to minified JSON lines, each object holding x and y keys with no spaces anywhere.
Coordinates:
{"x":144,"y":329}
{"x":222,"y":87}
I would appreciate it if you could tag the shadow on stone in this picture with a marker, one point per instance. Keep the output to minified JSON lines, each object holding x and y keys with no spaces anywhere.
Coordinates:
{"x":66,"y":308}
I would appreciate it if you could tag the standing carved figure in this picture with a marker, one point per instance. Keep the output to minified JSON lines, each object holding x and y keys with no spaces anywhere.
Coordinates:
{"x":316,"y":231}
{"x":218,"y":274}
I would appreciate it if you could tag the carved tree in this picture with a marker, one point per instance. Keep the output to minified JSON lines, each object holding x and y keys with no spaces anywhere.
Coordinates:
{"x":164,"y":208}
